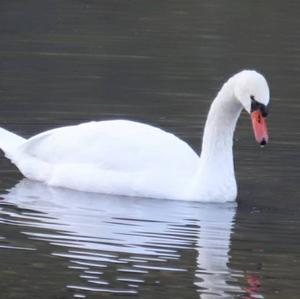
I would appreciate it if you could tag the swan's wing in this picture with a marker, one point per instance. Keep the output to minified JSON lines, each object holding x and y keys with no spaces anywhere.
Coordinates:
{"x":111,"y":145}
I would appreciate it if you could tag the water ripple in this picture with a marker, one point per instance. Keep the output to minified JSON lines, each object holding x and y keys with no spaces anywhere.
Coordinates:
{"x":115,"y":246}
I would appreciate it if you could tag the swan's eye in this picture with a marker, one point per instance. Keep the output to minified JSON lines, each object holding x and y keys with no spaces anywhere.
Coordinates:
{"x":254,"y":104}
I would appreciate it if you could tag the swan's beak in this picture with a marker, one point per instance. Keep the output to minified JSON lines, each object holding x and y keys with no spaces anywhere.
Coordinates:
{"x":259,"y":127}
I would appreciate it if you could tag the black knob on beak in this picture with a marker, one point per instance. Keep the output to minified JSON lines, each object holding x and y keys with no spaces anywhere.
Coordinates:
{"x":258,"y":106}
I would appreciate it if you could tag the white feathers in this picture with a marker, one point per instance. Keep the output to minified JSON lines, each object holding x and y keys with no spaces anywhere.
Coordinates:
{"x":135,"y":159}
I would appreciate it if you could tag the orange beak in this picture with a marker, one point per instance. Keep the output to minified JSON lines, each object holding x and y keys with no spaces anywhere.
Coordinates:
{"x":259,"y":127}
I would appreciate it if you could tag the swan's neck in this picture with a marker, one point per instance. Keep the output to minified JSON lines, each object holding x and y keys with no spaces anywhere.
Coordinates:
{"x":220,"y":126}
{"x":216,"y":168}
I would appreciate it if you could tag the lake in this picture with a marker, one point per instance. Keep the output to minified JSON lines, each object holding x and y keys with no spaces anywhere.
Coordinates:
{"x":162,"y":63}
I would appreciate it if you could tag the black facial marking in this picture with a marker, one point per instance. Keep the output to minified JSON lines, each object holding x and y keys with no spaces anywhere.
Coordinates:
{"x":258,"y":106}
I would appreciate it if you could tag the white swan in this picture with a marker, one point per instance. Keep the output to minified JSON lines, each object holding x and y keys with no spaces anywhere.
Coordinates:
{"x":130,"y":158}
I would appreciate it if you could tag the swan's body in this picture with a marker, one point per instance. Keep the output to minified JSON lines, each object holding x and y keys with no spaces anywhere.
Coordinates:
{"x":109,"y":157}
{"x":130,"y":158}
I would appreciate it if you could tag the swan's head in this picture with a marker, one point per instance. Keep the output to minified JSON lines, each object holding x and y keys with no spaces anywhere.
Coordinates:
{"x":252,"y":91}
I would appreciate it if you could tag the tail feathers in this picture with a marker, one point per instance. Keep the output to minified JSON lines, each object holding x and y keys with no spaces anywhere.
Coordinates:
{"x":9,"y":142}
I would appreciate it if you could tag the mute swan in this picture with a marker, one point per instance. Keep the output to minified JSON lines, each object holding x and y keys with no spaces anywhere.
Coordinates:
{"x":134,"y":159}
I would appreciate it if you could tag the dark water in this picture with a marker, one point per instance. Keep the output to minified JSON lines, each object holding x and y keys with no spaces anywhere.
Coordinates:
{"x":160,"y":62}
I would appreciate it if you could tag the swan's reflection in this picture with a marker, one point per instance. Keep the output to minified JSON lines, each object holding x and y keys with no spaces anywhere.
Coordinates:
{"x":135,"y":235}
